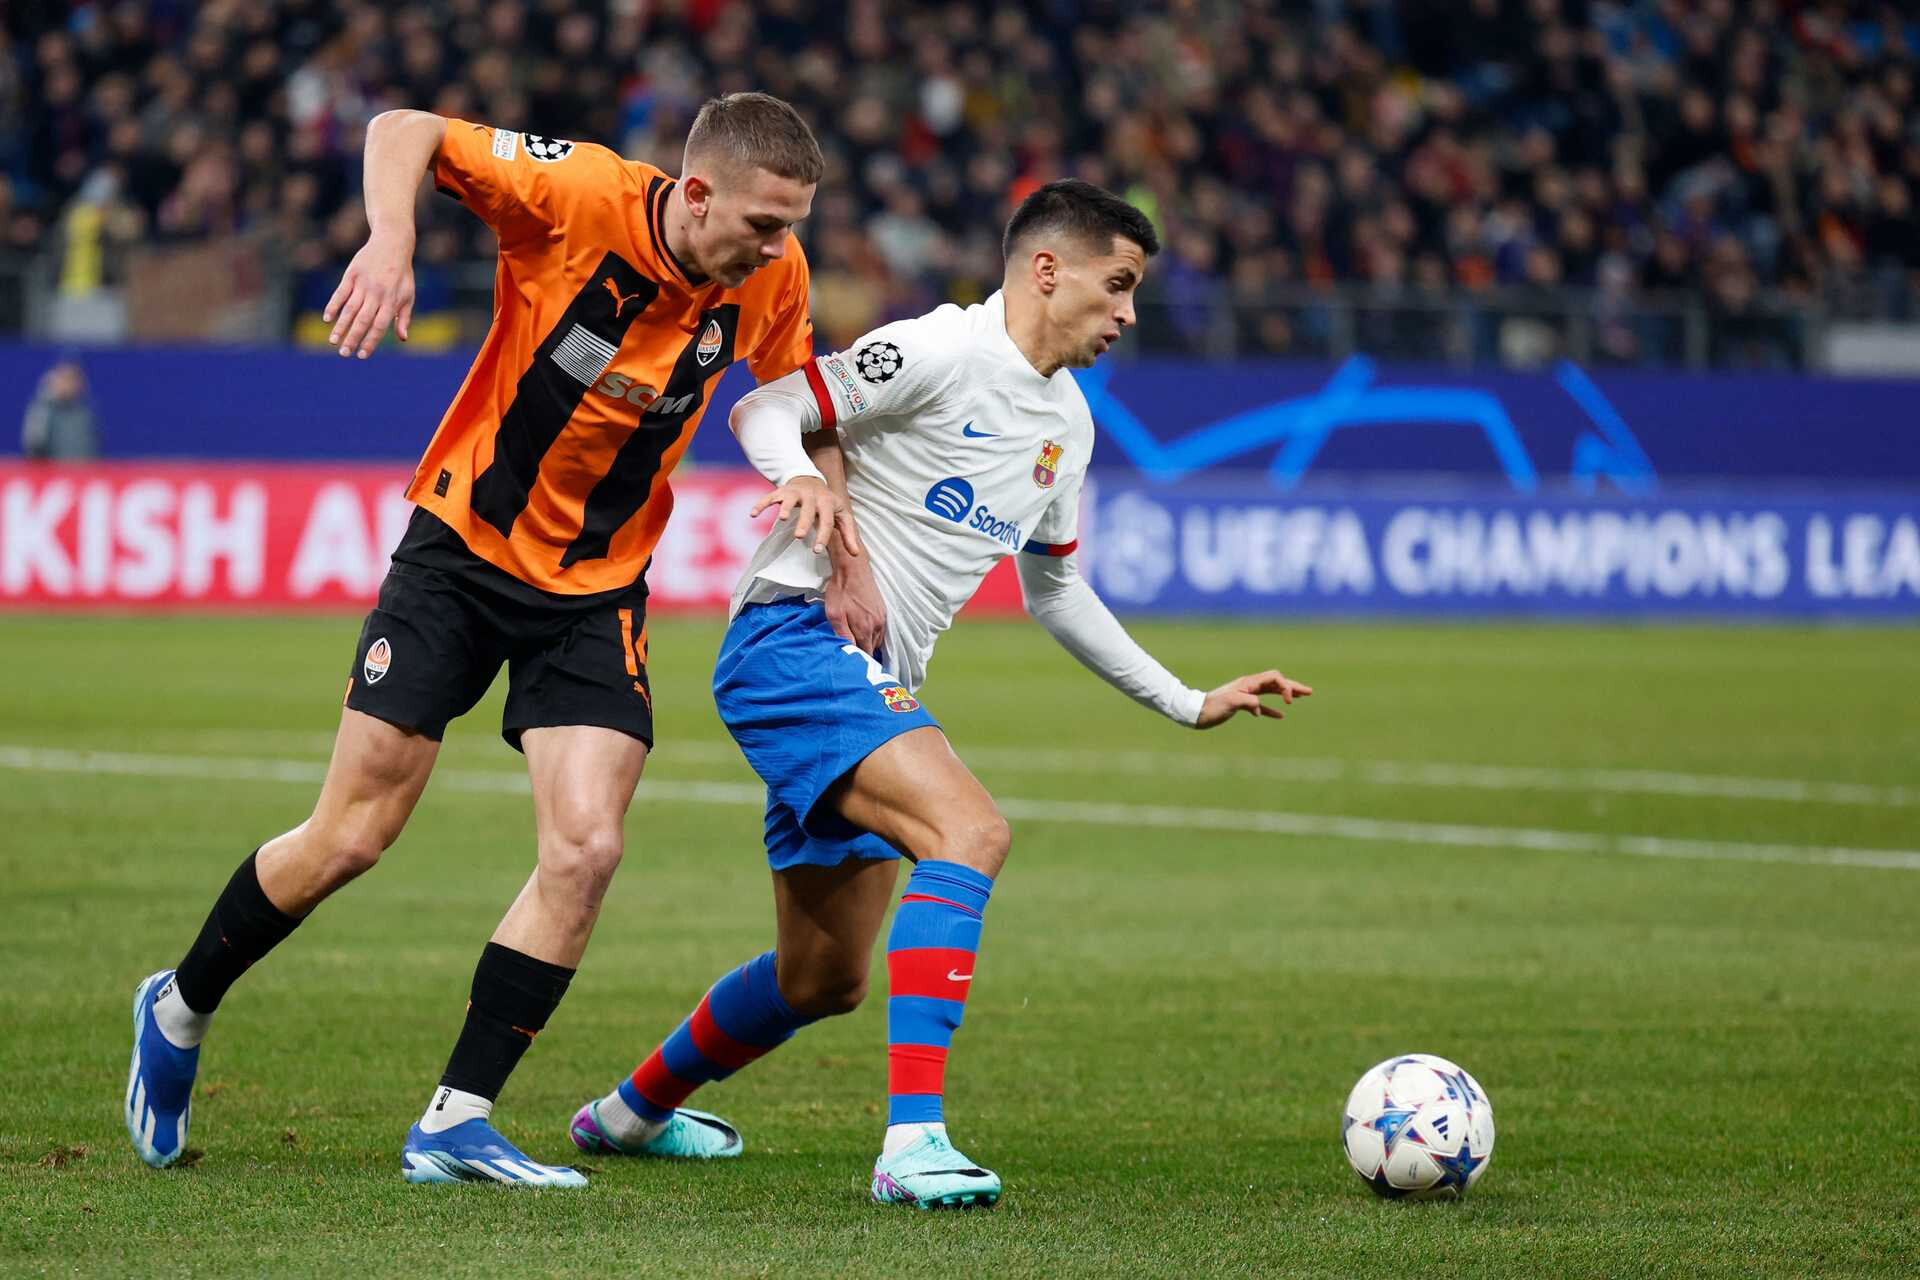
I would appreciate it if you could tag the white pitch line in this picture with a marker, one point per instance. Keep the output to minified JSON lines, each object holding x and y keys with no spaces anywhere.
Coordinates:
{"x":1380,"y":773}
{"x":1088,"y":813}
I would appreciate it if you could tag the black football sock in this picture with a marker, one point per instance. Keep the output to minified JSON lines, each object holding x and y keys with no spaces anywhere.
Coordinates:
{"x":243,"y":926}
{"x":513,"y":996}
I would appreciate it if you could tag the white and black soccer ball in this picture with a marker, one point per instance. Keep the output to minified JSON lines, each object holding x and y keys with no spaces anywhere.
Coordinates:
{"x":877,"y":361}
{"x":1418,"y":1127}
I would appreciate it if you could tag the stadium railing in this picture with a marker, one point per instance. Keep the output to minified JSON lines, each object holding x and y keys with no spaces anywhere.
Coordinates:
{"x":245,"y":292}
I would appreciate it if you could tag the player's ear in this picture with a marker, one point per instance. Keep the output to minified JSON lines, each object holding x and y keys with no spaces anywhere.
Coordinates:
{"x":1046,"y":270}
{"x":698,"y":193}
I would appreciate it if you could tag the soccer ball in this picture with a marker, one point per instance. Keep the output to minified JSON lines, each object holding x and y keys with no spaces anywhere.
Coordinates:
{"x":1418,"y":1127}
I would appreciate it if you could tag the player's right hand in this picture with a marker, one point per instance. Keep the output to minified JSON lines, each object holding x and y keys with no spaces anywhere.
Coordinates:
{"x":377,"y":290}
{"x":855,"y":608}
{"x":818,"y":509}
{"x":1235,"y":696}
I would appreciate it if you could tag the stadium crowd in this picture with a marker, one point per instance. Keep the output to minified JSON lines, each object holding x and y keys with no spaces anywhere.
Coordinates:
{"x":1730,"y":150}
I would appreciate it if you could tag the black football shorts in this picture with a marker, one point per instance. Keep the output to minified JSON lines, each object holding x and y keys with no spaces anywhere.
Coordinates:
{"x":447,"y":620}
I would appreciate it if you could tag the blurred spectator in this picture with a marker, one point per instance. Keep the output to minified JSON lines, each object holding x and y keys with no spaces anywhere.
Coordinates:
{"x":59,"y":421}
{"x":1429,"y":149}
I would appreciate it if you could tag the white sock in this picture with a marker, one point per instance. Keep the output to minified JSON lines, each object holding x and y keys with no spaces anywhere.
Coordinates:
{"x":902,"y":1136}
{"x":182,"y":1027}
{"x":623,"y":1124}
{"x":450,"y":1107}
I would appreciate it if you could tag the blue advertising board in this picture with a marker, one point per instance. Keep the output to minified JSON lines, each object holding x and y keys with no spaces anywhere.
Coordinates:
{"x":1300,"y":426}
{"x":1287,"y":488}
{"x":1566,"y":428}
{"x":1212,"y":547}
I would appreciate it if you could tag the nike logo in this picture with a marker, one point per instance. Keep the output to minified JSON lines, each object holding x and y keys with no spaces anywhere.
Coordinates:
{"x":954,"y":975}
{"x":971,"y":434}
{"x":619,"y":303}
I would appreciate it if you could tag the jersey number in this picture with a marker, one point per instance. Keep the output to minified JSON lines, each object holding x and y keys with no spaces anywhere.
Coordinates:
{"x":877,"y":675}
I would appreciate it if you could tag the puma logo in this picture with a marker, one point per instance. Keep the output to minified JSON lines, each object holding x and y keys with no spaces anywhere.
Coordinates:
{"x":619,"y":303}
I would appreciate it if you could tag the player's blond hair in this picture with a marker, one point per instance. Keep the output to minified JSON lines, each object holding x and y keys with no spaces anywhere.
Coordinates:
{"x":757,"y":131}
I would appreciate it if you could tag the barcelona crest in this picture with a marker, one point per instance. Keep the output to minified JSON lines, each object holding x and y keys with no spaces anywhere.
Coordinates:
{"x":1047,"y":468}
{"x":899,"y":699}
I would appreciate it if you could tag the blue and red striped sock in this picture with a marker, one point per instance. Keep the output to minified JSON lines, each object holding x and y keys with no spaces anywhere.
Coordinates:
{"x":740,"y":1019}
{"x":930,"y":955}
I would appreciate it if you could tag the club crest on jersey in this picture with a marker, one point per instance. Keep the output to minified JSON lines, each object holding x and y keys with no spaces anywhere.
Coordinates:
{"x":379,"y":659}
{"x":899,"y":699}
{"x":878,"y":361}
{"x":548,"y":149}
{"x":1046,"y":468}
{"x":709,"y":343}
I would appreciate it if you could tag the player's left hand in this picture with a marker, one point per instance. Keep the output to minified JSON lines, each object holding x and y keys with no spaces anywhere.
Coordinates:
{"x":818,"y":509}
{"x":1235,"y":696}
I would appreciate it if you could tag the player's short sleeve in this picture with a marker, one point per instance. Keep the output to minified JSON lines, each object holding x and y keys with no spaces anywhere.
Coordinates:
{"x":897,"y":370}
{"x":789,"y":342}
{"x":1057,"y":531}
{"x":522,"y":184}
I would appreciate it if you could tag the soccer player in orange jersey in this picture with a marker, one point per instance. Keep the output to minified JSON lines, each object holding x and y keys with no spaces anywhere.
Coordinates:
{"x":622,"y":294}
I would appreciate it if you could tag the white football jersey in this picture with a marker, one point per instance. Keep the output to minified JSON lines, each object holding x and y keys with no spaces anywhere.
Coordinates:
{"x":958,"y":452}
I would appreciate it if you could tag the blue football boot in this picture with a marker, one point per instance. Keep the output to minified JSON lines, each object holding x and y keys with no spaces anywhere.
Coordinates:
{"x":474,"y":1151}
{"x":159,"y":1100}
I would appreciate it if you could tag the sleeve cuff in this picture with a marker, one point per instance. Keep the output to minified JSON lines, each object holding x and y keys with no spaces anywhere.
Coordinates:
{"x":813,"y":471}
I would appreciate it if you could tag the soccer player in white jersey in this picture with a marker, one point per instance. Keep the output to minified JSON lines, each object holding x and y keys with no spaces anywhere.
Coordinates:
{"x":962,"y":439}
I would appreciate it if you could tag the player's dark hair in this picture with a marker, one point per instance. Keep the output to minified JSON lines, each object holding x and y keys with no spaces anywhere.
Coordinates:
{"x":1083,"y":211}
{"x":759,"y":131}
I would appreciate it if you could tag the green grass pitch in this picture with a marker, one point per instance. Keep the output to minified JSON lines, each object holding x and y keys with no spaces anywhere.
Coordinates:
{"x":1656,"y":888}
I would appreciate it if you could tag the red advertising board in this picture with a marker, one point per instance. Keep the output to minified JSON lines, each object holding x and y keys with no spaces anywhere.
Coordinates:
{"x":277,"y":537}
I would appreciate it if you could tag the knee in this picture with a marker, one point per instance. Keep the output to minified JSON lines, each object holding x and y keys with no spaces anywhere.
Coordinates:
{"x":824,"y":993}
{"x":345,"y":851}
{"x":355,"y":858}
{"x":579,"y":863}
{"x":981,"y":843}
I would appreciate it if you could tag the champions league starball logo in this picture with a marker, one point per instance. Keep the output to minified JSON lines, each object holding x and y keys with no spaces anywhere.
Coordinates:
{"x":548,"y":149}
{"x":878,"y":361}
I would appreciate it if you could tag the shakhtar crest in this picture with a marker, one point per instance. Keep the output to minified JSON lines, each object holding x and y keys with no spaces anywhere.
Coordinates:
{"x":1046,"y":469}
{"x":379,"y":659}
{"x":709,"y":343}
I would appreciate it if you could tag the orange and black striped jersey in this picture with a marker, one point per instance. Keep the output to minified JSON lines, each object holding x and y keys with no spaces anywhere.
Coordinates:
{"x":552,"y":461}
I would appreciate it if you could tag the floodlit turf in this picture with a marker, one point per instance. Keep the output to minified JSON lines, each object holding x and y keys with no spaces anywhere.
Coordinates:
{"x":1701,"y":1048}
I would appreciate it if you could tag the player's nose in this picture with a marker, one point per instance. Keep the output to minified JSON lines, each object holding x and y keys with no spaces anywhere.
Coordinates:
{"x":1124,"y":313}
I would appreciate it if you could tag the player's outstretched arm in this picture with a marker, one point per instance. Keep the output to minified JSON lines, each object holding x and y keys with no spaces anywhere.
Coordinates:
{"x":1062,"y":602}
{"x":1244,"y":694}
{"x":377,"y":289}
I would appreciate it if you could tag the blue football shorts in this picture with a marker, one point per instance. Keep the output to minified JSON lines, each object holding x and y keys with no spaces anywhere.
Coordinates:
{"x":806,"y":706}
